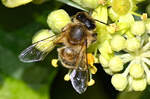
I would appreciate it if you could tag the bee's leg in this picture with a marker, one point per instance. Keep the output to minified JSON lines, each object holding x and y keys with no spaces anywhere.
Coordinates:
{"x":80,"y":58}
{"x":60,"y":39}
{"x":64,"y":29}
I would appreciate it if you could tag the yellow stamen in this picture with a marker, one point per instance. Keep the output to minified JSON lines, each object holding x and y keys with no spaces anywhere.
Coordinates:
{"x":93,"y":69}
{"x":54,"y":62}
{"x":67,"y":77}
{"x":91,"y":59}
{"x":144,"y":16}
{"x":91,"y":82}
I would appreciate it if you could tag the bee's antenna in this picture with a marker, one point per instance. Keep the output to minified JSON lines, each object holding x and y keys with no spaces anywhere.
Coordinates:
{"x":101,"y":22}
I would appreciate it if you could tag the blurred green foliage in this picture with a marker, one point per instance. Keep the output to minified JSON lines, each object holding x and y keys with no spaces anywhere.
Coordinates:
{"x":17,"y":26}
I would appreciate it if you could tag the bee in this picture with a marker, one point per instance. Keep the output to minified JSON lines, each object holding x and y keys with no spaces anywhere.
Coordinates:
{"x":75,"y":38}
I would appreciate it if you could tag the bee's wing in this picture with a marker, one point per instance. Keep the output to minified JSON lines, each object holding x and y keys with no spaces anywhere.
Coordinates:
{"x":79,"y":77}
{"x":32,"y":54}
{"x":79,"y":80}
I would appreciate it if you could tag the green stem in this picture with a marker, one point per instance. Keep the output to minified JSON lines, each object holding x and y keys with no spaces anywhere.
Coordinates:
{"x":136,"y":14}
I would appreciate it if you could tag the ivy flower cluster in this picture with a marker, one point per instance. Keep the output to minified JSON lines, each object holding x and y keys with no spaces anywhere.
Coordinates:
{"x":122,"y":46}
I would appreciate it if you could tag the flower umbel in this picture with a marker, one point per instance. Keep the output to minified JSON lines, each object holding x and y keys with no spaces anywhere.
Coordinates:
{"x":122,"y":46}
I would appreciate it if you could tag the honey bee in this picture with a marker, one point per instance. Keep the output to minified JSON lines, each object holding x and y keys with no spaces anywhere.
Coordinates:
{"x":75,"y":37}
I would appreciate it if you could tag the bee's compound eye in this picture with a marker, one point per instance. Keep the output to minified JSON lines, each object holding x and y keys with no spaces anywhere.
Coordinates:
{"x":81,"y":17}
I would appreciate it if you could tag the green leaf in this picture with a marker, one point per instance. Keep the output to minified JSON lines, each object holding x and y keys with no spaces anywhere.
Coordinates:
{"x":135,"y":95}
{"x":17,"y":89}
{"x":73,"y":4}
{"x":17,"y":26}
{"x":129,"y":95}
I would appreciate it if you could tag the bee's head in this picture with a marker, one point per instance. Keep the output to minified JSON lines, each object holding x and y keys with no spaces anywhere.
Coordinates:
{"x":86,"y":20}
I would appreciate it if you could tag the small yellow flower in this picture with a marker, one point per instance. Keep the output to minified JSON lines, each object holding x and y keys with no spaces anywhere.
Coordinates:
{"x":121,"y":7}
{"x":103,"y":61}
{"x":132,"y":44}
{"x":136,"y":71}
{"x":108,"y":71}
{"x":116,"y":64}
{"x":119,"y":82}
{"x":139,"y":84}
{"x":117,"y":43}
{"x":138,"y":28}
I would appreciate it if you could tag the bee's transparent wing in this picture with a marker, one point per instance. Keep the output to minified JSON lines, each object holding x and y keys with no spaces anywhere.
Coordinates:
{"x":32,"y":54}
{"x":79,"y":77}
{"x":79,"y":80}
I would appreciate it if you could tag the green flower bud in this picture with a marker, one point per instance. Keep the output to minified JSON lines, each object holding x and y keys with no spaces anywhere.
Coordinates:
{"x":132,"y":44}
{"x":148,"y":9}
{"x":119,"y":82}
{"x":57,"y":20}
{"x":116,"y":64}
{"x":138,"y":28}
{"x":39,"y":1}
{"x":103,"y":61}
{"x":136,"y":71}
{"x":139,"y":84}
{"x":121,"y":7}
{"x":92,"y":4}
{"x":117,"y":43}
{"x":47,"y":44}
{"x":100,"y":13}
{"x":15,"y":3}
{"x":147,"y":26}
